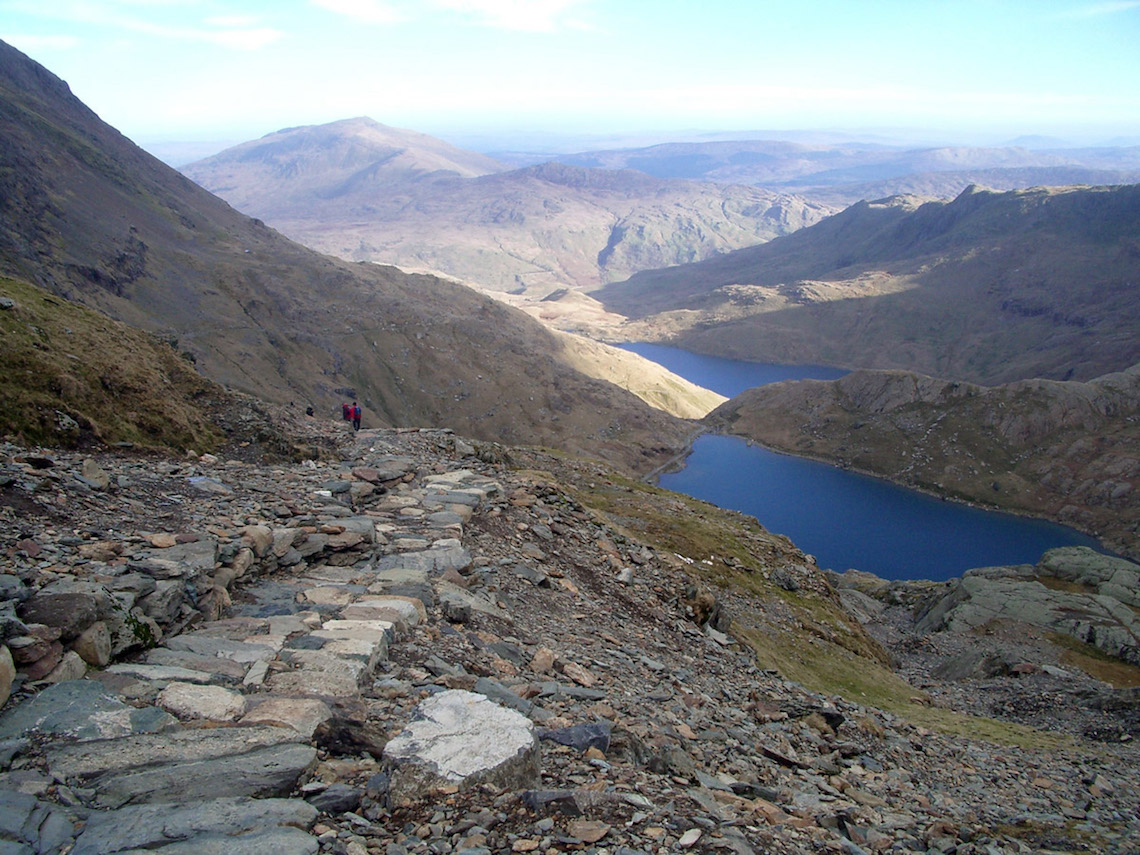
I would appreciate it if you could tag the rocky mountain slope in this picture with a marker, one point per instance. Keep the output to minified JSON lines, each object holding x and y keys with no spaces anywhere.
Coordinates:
{"x":989,"y":288}
{"x":88,"y":216}
{"x":361,"y":191}
{"x":1061,"y":450}
{"x":210,"y":655}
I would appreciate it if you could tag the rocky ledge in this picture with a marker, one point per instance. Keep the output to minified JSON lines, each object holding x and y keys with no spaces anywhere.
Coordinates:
{"x":419,"y":649}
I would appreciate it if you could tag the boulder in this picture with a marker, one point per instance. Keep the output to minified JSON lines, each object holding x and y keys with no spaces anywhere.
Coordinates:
{"x":258,"y":538}
{"x":461,"y":738}
{"x":70,"y":667}
{"x":71,"y":611}
{"x":94,"y":474}
{"x":94,"y":644}
{"x":7,"y":674}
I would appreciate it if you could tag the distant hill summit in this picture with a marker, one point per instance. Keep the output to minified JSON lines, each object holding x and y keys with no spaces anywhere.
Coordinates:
{"x":364,"y":192}
{"x":334,"y":161}
{"x":87,"y":215}
{"x":990,"y":288}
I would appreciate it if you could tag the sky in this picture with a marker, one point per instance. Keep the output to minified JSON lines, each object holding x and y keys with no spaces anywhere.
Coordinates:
{"x":499,"y":74}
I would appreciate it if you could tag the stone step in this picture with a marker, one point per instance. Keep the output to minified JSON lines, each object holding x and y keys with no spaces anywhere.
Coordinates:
{"x":183,"y":766}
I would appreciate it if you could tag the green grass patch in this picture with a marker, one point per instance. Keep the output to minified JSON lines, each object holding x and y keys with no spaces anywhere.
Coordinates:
{"x":71,"y":376}
{"x":1095,"y":662}
{"x":1064,"y":585}
{"x":831,"y":669}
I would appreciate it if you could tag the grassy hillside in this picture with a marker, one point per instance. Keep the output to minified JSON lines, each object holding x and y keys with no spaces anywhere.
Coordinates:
{"x":1062,"y":450}
{"x":989,"y":288}
{"x":70,"y":376}
{"x":88,"y":216}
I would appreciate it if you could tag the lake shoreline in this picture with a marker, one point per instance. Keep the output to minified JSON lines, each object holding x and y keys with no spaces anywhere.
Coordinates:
{"x":679,"y":463}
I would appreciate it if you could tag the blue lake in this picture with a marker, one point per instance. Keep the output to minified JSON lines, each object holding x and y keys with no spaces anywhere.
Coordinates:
{"x":729,"y":377}
{"x":842,"y":518}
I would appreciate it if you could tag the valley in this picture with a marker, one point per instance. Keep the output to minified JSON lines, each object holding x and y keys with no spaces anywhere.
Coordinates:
{"x":365,"y":192}
{"x":230,"y":621}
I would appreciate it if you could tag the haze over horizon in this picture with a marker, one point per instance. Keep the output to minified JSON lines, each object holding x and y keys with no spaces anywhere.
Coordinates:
{"x":495,"y":74}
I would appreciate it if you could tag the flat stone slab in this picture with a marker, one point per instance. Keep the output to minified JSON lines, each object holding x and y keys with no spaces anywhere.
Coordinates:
{"x":275,"y":825}
{"x":303,"y":715}
{"x":372,"y":630}
{"x":478,"y":602}
{"x":83,"y":710}
{"x":403,"y":611}
{"x":222,"y":669}
{"x":461,"y":738}
{"x":444,"y":555}
{"x":212,"y":703}
{"x":328,"y":595}
{"x":86,"y":760}
{"x":316,"y":684}
{"x":207,"y":645}
{"x":187,"y":765}
{"x":320,"y":673}
{"x":391,"y":467}
{"x":160,"y":673}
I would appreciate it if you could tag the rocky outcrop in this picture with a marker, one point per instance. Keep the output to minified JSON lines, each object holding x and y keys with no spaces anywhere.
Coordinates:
{"x":1101,"y":615}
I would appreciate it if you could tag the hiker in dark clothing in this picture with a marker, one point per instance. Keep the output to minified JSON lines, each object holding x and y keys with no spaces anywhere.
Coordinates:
{"x":355,"y":416}
{"x":346,"y":411}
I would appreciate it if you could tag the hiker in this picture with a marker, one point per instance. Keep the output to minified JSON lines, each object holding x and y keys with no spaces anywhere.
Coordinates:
{"x":355,"y":416}
{"x":345,"y":411}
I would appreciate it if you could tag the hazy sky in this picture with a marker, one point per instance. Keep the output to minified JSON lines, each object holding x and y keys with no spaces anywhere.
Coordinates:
{"x":227,"y":70}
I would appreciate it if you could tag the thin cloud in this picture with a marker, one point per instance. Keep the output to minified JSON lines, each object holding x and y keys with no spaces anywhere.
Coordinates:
{"x":232,"y":21}
{"x":528,"y":15}
{"x":230,"y":32}
{"x":1099,"y":10}
{"x":365,"y":11}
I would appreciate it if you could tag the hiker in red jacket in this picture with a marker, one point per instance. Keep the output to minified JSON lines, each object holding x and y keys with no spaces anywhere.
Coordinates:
{"x":346,"y":411}
{"x":355,"y":416}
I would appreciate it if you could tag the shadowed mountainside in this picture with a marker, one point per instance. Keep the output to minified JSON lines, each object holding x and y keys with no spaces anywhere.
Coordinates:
{"x":87,"y":215}
{"x":989,"y":288}
{"x":1062,"y":450}
{"x":528,"y":231}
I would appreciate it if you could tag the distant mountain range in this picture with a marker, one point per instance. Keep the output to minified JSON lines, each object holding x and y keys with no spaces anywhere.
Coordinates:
{"x":87,"y":215}
{"x":990,"y":287}
{"x":845,"y":173}
{"x":366,"y":192}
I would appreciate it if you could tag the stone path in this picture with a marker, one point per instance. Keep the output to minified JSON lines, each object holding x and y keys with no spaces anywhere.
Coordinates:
{"x":226,"y":712}
{"x":248,"y":668}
